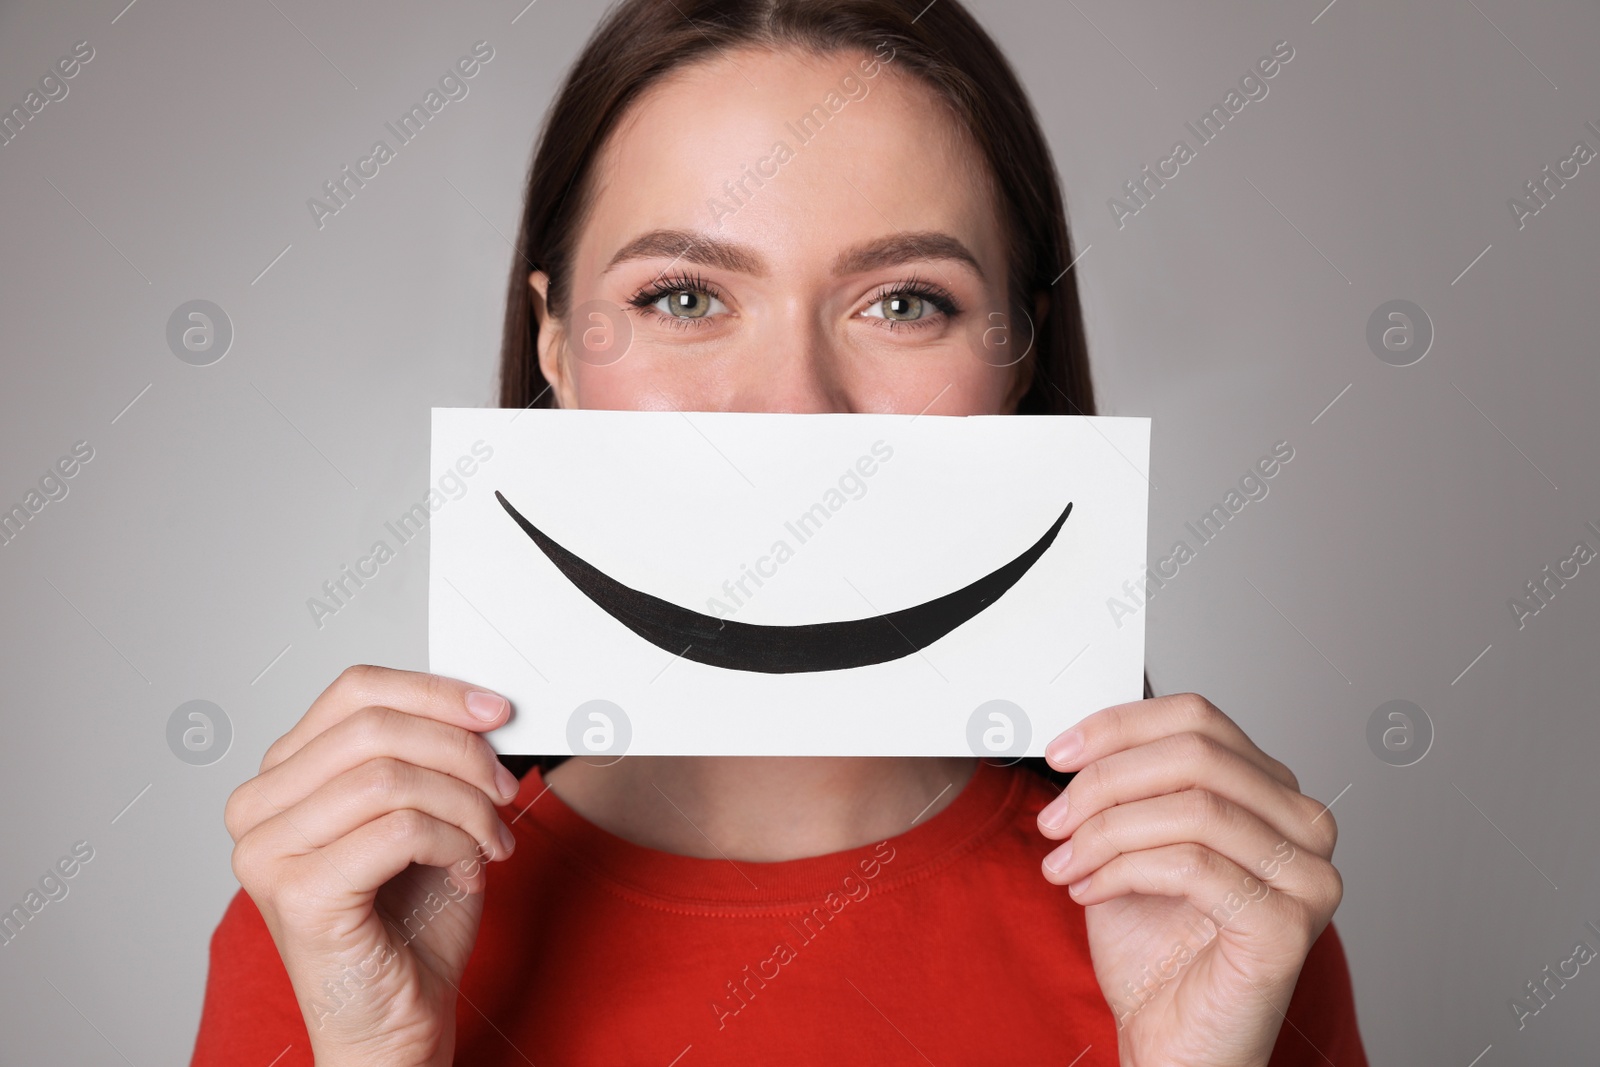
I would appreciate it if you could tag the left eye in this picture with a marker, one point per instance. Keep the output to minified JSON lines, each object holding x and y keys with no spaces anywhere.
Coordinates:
{"x":899,"y":307}
{"x":688,"y":304}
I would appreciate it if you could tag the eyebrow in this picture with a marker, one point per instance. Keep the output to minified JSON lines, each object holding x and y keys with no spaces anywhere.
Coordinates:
{"x":687,"y":246}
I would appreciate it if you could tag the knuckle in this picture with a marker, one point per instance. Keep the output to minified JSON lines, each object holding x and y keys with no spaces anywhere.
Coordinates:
{"x":482,"y":806}
{"x":1112,"y":721}
{"x":1324,"y":891}
{"x":381,"y":778}
{"x":1195,"y":709}
{"x":1205,"y":808}
{"x":1197,"y":748}
{"x":1192,"y":861}
{"x":273,"y":755}
{"x":357,"y":680}
{"x":487,"y":759}
{"x":1328,"y":829}
{"x":466,"y":747}
{"x":488,"y":821}
{"x":356,"y":674}
{"x":436,"y":689}
{"x":247,"y":863}
{"x":234,"y":814}
{"x":1321,"y":825}
{"x":1335,"y":889}
{"x":1284,"y":769}
{"x":472,"y":863}
{"x":1100,"y":828}
{"x":368,"y":725}
{"x":405,"y":825}
{"x":1088,"y":784}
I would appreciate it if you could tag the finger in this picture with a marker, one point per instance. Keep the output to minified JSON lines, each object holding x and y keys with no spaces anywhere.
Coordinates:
{"x":350,"y":871}
{"x":374,"y":732}
{"x":1214,"y":885}
{"x":1195,"y":816}
{"x":1184,"y":761}
{"x":374,"y":789}
{"x":431,"y":696}
{"x":359,"y":863}
{"x":1142,"y":721}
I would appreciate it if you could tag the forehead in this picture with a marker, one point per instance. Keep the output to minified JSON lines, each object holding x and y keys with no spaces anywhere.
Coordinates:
{"x":791,"y":150}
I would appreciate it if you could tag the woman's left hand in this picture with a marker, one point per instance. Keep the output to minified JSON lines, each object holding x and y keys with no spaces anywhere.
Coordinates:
{"x":1204,"y":871}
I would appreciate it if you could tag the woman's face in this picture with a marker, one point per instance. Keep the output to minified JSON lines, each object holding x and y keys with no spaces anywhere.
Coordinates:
{"x":776,"y":231}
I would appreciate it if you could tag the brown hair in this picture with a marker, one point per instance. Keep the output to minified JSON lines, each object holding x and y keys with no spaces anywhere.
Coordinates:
{"x":639,"y":41}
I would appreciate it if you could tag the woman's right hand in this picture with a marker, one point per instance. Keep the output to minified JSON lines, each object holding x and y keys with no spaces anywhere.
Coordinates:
{"x":363,"y":842}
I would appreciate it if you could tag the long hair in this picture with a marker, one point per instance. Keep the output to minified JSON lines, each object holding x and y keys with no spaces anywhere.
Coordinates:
{"x":639,"y":41}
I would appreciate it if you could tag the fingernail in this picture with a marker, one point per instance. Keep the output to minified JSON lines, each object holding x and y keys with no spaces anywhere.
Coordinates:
{"x":1057,"y":861}
{"x":1065,"y":747}
{"x":505,"y":781}
{"x":1077,"y":888}
{"x":1055,"y":813}
{"x":508,"y":840}
{"x":486,"y":706}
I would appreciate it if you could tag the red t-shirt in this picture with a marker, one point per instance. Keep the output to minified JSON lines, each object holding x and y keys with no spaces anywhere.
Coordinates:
{"x":943,"y":943}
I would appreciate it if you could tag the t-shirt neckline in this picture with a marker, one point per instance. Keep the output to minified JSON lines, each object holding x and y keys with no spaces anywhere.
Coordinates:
{"x":675,"y":882}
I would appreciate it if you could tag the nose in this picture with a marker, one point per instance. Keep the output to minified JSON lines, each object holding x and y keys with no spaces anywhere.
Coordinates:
{"x":795,"y":366}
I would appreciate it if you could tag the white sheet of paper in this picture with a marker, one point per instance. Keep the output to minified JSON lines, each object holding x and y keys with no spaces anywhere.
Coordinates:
{"x":786,"y":520}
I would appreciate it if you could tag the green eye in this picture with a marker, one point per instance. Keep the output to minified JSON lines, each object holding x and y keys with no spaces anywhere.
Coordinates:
{"x":898,"y":307}
{"x":686,"y":298}
{"x":903,"y":307}
{"x":687,"y":303}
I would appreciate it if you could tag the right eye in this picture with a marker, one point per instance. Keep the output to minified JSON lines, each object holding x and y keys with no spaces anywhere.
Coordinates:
{"x":684,"y":298}
{"x":688,"y":303}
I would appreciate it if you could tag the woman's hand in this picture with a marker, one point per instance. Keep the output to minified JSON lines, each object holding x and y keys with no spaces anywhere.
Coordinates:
{"x":363,"y":842}
{"x":1204,"y":872}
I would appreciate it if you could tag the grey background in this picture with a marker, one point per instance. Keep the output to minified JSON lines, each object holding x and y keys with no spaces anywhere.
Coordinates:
{"x":1232,"y":310}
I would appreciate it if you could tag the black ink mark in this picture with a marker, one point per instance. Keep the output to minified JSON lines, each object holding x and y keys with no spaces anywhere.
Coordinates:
{"x":818,"y":646}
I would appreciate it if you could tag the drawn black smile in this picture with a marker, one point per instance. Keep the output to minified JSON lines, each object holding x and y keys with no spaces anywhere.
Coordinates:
{"x":817,"y":646}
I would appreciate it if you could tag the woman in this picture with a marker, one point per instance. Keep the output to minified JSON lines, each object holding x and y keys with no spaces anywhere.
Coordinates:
{"x":780,"y":205}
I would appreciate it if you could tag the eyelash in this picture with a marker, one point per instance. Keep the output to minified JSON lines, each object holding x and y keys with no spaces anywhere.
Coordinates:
{"x":915,"y":286}
{"x":675,"y":283}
